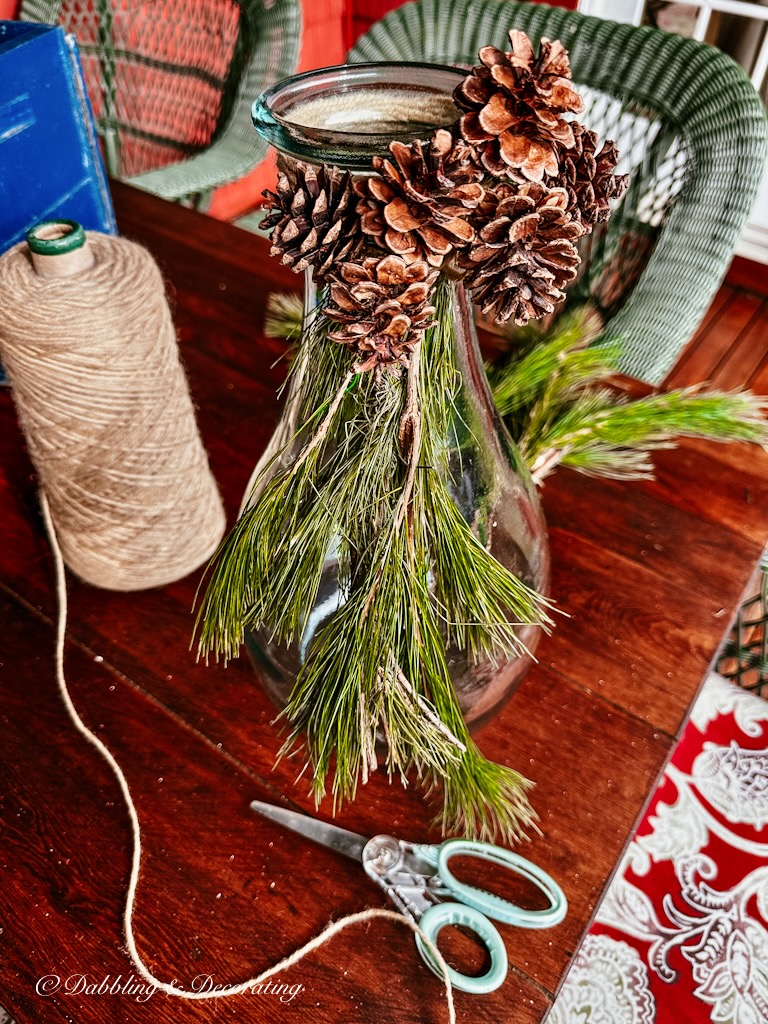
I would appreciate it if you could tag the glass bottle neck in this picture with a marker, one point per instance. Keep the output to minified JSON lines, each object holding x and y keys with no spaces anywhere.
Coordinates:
{"x":346,"y":115}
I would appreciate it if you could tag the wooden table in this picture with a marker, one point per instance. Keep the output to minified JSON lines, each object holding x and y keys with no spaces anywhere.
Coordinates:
{"x":649,"y":573}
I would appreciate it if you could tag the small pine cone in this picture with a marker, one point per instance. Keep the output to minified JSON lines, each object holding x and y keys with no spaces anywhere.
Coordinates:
{"x":524,"y":254}
{"x":314,"y":223}
{"x":514,"y":102}
{"x":419,"y":206}
{"x":382,"y":307}
{"x":588,"y":178}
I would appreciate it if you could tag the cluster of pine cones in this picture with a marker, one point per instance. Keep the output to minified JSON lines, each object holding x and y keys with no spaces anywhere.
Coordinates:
{"x":502,"y":195}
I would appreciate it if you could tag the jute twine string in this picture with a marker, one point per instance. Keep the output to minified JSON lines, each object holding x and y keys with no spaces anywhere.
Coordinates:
{"x":169,"y":988}
{"x":105,"y":407}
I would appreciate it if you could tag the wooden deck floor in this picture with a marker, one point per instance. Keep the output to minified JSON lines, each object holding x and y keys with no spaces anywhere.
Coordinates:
{"x":730,"y":349}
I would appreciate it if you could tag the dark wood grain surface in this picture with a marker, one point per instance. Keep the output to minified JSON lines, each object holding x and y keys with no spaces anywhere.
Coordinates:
{"x":650,"y":575}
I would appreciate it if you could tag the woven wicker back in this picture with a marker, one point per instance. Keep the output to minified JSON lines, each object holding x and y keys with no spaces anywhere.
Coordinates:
{"x":171,"y":82}
{"x":692,"y":133}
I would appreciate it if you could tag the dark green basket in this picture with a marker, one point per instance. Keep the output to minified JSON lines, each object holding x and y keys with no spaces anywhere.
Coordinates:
{"x":744,"y":657}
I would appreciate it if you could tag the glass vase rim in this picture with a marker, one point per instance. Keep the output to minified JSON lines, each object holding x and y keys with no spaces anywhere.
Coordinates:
{"x":349,"y":149}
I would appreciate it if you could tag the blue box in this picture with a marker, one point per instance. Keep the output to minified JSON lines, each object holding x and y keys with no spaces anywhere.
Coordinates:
{"x":50,"y":163}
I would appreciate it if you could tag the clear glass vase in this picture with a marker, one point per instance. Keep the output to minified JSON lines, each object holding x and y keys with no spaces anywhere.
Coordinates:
{"x":344,"y":116}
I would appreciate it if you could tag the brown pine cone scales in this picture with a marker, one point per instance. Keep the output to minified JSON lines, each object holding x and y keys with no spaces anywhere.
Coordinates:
{"x":588,"y":178}
{"x":514,"y":103}
{"x":418,"y":207}
{"x":383,"y":308}
{"x":524,"y":254}
{"x":503,"y":194}
{"x":314,"y":223}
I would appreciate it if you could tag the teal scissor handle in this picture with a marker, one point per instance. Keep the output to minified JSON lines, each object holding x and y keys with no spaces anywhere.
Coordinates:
{"x":487,"y":903}
{"x":441,"y":914}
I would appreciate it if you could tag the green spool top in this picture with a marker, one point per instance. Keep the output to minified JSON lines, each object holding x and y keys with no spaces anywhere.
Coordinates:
{"x":59,"y":248}
{"x":56,"y":237}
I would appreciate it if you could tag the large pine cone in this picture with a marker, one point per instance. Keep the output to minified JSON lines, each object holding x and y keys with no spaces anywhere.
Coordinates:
{"x":383,"y":307}
{"x":419,"y":206}
{"x":524,"y":254}
{"x":314,"y":223}
{"x":588,"y":178}
{"x":515,"y":101}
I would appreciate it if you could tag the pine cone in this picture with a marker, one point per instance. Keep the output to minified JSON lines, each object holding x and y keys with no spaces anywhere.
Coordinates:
{"x":588,"y":178}
{"x":314,"y":223}
{"x":514,"y":102}
{"x":383,"y":307}
{"x":419,"y":206}
{"x":524,"y":254}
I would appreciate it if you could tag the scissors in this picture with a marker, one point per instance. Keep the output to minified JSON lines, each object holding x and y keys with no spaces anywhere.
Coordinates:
{"x":418,"y":880}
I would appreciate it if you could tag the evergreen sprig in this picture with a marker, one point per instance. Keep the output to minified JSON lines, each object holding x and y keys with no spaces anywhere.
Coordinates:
{"x":285,"y":533}
{"x":536,"y":358}
{"x":284,"y":315}
{"x":368,"y":477}
{"x":551,"y":391}
{"x":481,"y":603}
{"x":606,"y":436}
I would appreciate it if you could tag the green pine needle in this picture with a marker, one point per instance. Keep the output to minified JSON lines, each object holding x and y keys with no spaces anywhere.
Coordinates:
{"x":604,"y":435}
{"x":551,"y":393}
{"x":536,"y":360}
{"x":480,"y":601}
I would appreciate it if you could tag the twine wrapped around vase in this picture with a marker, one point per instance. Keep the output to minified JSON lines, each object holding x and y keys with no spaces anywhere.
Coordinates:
{"x":87,"y":339}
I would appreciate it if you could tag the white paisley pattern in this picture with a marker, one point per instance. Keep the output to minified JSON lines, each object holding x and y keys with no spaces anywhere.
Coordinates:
{"x":677,"y":833}
{"x":711,"y":930}
{"x":607,"y":984}
{"x":735,"y":781}
{"x":719,"y":697}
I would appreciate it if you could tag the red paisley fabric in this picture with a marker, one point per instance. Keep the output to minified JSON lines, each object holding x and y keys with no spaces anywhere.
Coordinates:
{"x":681,"y":935}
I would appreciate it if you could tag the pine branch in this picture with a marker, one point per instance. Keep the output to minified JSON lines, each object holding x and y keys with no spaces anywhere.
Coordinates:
{"x":367,"y":477}
{"x":481,"y":604}
{"x":604,"y":435}
{"x":267,"y":570}
{"x":549,"y":391}
{"x":535,"y":358}
{"x":284,"y":315}
{"x":686,"y":412}
{"x":480,"y":798}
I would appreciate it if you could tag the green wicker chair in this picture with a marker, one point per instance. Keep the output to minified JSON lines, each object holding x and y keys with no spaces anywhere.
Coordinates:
{"x":171,"y":83}
{"x":692,"y":132}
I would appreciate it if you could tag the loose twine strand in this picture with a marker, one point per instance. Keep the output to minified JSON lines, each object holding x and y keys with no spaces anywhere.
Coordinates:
{"x":104,"y":404}
{"x":169,"y":989}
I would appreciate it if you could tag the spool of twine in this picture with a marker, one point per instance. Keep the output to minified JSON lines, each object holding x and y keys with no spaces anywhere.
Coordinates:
{"x":88,"y":343}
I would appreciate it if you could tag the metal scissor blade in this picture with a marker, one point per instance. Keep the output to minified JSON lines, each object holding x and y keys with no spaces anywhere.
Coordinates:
{"x":338,"y":839}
